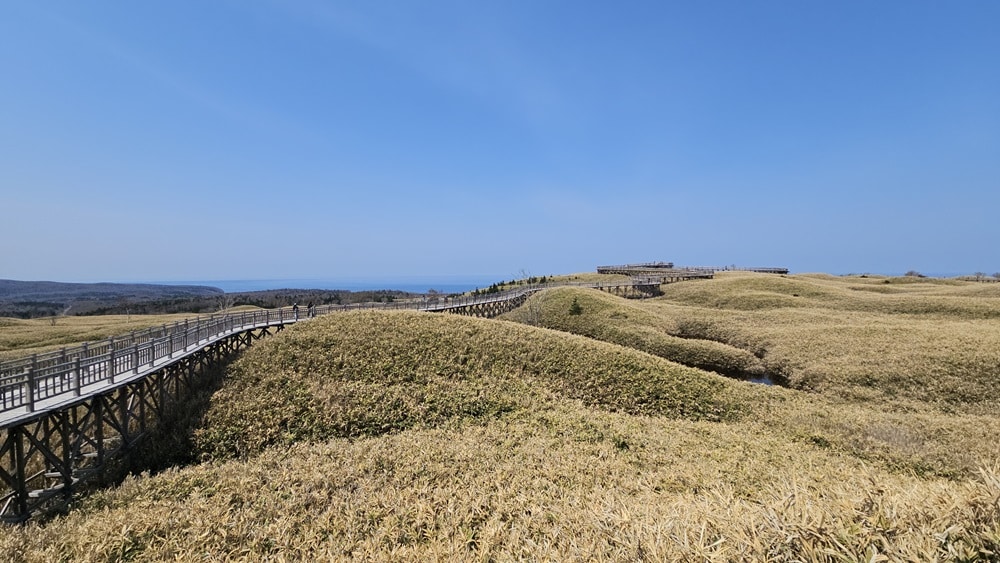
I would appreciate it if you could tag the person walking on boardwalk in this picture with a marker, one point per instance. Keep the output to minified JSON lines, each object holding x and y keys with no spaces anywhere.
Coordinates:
{"x":295,"y":310}
{"x":311,"y":310}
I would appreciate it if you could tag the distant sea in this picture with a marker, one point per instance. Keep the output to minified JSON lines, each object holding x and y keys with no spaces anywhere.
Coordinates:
{"x":412,"y":285}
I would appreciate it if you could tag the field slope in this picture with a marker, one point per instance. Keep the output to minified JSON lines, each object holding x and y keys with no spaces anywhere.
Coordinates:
{"x":415,"y":436}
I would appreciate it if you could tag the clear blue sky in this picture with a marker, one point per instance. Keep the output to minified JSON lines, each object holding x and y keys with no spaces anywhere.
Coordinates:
{"x":264,"y":139}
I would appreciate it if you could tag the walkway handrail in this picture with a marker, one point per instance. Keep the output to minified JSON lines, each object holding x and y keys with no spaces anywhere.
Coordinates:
{"x":668,"y":268}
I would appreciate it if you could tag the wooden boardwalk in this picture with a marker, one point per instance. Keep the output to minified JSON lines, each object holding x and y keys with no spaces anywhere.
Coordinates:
{"x":668,"y":271}
{"x":65,"y":415}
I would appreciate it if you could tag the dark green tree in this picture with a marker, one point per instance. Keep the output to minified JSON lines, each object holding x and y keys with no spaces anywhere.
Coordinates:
{"x":575,"y":308}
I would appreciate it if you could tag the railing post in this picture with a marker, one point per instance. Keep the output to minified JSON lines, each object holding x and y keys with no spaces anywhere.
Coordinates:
{"x":30,"y":383}
{"x":76,"y":377}
{"x":85,"y":353}
{"x":111,"y":359}
{"x":135,"y":357}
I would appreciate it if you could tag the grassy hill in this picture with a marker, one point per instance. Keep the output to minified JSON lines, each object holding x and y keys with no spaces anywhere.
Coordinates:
{"x":415,"y":436}
{"x":858,"y":339}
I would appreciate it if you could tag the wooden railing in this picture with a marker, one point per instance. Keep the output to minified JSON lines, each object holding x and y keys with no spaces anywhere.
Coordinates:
{"x":759,"y":270}
{"x":980,"y":279}
{"x":668,"y":268}
{"x":27,"y":381}
{"x":640,"y":266}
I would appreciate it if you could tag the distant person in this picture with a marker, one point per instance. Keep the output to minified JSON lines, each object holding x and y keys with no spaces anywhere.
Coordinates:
{"x":295,"y":310}
{"x":311,"y":309}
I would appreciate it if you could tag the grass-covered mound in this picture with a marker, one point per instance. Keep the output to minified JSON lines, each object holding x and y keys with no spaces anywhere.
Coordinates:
{"x":935,"y":342}
{"x":415,"y":436}
{"x":599,"y":315}
{"x":909,"y":392}
{"x":558,"y":481}
{"x":929,"y":297}
{"x":368,"y":373}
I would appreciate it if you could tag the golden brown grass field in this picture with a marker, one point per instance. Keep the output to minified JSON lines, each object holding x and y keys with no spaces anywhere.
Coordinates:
{"x":605,"y":435}
{"x":21,"y":337}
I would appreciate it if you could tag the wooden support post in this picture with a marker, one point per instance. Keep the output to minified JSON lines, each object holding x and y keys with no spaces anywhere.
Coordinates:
{"x":20,"y":472}
{"x":98,"y":411}
{"x":141,"y":394}
{"x":67,"y":456}
{"x":122,"y":411}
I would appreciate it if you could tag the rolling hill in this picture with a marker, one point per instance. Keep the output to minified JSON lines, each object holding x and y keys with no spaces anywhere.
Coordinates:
{"x":620,"y":431}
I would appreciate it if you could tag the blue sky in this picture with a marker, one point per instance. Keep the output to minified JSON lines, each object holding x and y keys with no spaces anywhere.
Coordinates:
{"x":259,"y":140}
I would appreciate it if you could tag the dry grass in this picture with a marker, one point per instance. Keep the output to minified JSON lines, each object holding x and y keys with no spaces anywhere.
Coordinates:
{"x":559,"y":481}
{"x":628,"y":323}
{"x":368,"y":373}
{"x":905,"y":295}
{"x":19,"y":337}
{"x":407,"y":436}
{"x":588,"y":277}
{"x":909,"y":391}
{"x":937,"y":341}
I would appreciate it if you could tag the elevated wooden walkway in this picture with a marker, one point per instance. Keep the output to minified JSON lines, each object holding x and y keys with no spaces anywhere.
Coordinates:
{"x":666,"y":270}
{"x":65,"y":415}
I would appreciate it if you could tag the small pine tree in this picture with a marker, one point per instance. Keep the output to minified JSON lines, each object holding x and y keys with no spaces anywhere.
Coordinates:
{"x":575,"y":308}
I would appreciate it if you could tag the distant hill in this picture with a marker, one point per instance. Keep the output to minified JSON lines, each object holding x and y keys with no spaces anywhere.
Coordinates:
{"x":267,"y":299}
{"x":29,"y":299}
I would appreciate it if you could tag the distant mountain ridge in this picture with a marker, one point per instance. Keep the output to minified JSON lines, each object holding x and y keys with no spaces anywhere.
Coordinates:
{"x":34,"y":299}
{"x":27,"y":299}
